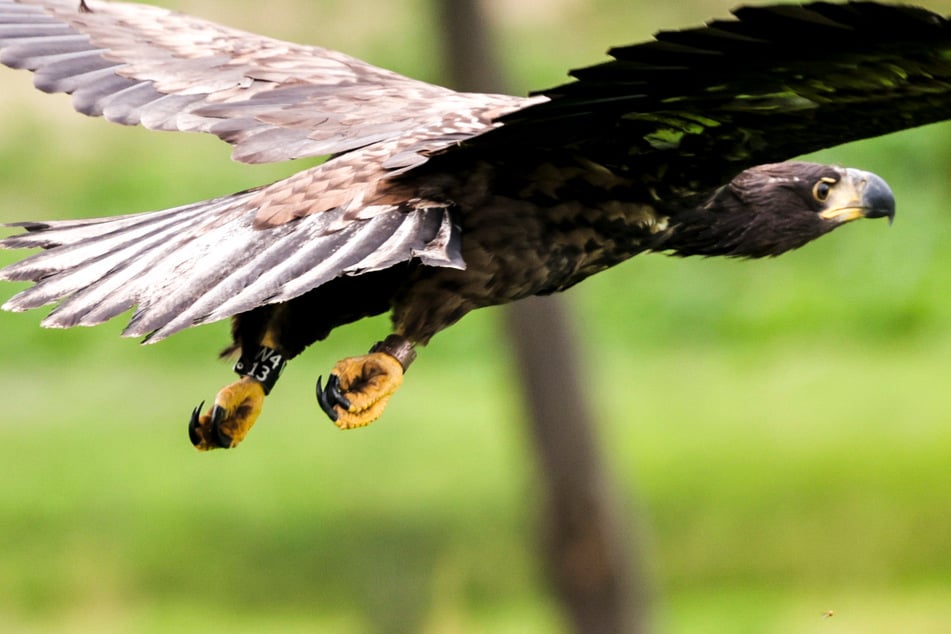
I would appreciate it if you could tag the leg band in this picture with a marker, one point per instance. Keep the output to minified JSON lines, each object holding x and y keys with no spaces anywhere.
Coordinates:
{"x":265,"y":366}
{"x":400,"y":348}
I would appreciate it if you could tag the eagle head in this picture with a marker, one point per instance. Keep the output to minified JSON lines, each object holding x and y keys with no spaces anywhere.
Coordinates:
{"x":770,"y":209}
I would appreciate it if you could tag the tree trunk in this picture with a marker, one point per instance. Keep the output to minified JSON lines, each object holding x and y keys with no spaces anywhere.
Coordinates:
{"x":587,"y":550}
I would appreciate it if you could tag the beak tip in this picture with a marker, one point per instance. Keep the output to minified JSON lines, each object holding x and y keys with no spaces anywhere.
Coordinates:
{"x":878,"y":198}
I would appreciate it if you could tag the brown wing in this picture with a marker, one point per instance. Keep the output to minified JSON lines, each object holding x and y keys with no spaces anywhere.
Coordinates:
{"x":693,"y":108}
{"x":273,"y":100}
{"x":204,"y":262}
{"x":137,"y":64}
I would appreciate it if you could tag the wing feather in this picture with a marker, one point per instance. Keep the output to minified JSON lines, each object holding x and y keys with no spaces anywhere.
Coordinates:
{"x":207,"y":261}
{"x":693,"y":108}
{"x":273,"y":100}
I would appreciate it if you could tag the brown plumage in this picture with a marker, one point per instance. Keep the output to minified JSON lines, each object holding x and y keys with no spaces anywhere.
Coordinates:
{"x":433,"y":202}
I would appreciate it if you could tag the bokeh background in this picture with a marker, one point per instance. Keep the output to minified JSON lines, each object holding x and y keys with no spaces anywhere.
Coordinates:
{"x":779,"y":430}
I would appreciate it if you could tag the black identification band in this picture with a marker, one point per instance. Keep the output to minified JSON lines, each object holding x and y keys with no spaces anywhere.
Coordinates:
{"x":265,"y":367}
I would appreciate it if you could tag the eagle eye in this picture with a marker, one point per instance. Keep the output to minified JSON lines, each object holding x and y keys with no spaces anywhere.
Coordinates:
{"x":821,"y":189}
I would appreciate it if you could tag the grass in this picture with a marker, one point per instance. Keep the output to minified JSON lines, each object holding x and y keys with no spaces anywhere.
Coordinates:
{"x":776,"y":486}
{"x":780,"y":428}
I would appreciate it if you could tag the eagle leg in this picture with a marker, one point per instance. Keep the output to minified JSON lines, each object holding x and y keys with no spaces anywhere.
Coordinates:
{"x":237,"y":407}
{"x":359,"y":388}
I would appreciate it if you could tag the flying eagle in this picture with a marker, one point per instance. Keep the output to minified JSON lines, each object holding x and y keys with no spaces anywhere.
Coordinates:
{"x":434,"y":202}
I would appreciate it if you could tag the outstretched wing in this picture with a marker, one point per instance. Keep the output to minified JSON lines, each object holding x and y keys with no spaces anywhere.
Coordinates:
{"x":272,"y":100}
{"x":204,"y":262}
{"x":137,"y":64}
{"x":694,"y":107}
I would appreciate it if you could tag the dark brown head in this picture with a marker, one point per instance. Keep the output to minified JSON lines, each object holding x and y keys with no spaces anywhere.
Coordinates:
{"x":770,"y":209}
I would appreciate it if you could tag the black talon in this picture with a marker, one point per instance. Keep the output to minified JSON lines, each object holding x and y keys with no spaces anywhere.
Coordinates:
{"x":330,"y":396}
{"x":323,"y":401}
{"x":217,"y":415}
{"x":193,"y":425}
{"x":333,"y":386}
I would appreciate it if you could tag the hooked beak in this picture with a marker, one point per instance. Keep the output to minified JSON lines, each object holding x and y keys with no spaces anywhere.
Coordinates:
{"x":859,"y":194}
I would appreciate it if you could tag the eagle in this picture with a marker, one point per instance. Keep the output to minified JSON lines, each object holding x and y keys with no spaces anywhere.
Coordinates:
{"x":432,"y":203}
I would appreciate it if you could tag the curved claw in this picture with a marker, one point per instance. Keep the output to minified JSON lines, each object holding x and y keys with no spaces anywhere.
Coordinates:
{"x":233,"y":413}
{"x":193,"y":425}
{"x":221,"y":437}
{"x":323,"y":401}
{"x":330,"y":396}
{"x":358,"y":388}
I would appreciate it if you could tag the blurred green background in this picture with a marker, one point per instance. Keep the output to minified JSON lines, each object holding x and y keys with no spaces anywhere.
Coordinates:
{"x":781,"y":428}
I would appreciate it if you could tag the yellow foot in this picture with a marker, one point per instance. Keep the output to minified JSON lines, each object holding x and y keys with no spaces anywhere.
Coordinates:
{"x":226,"y":424}
{"x":358,"y":389}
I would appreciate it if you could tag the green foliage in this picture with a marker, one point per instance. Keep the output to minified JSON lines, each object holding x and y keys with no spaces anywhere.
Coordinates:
{"x":780,"y":426}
